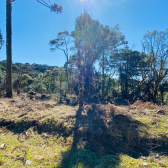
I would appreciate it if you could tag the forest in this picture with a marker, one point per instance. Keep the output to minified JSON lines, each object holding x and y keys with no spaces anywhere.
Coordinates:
{"x":101,"y":68}
{"x":106,"y":107}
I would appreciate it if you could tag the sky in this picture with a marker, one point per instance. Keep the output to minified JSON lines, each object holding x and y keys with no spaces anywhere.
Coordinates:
{"x":33,"y":25}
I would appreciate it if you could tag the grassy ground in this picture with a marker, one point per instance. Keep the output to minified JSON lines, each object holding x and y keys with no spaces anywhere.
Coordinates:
{"x":36,"y":133}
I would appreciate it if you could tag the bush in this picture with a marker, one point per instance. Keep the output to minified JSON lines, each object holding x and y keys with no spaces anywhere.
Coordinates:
{"x":166,"y":97}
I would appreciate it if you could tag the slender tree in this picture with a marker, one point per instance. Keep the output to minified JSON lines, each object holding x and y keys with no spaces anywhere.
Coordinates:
{"x":155,"y":46}
{"x":61,"y":43}
{"x":104,"y":47}
{"x":8,"y":48}
{"x":127,"y":63}
{"x":53,"y":7}
{"x":110,"y":39}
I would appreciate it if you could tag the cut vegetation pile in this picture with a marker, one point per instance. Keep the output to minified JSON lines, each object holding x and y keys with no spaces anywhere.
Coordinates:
{"x":36,"y":133}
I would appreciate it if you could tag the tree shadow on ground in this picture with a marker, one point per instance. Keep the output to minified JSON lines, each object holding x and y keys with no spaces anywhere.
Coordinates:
{"x":102,"y":136}
{"x":49,"y":126}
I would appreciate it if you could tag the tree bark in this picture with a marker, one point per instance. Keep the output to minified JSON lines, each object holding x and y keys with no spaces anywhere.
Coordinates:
{"x":9,"y":48}
{"x":67,"y":78}
{"x":103,"y":82}
{"x":155,"y":91}
{"x":80,"y":80}
{"x":107,"y":87}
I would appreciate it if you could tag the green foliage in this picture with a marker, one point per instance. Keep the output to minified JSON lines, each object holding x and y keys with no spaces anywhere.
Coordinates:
{"x":155,"y":46}
{"x":140,"y":75}
{"x":127,"y":63}
{"x":55,"y":72}
{"x":2,"y":79}
{"x":166,"y":97}
{"x":26,"y":81}
{"x":40,"y":88}
{"x":61,"y":42}
{"x":86,"y":35}
{"x":1,"y":40}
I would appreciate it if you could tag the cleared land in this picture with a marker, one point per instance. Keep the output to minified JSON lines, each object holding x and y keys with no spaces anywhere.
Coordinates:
{"x":36,"y":133}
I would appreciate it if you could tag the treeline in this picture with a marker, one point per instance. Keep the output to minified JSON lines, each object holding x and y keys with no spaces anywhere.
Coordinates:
{"x":101,"y":67}
{"x":29,"y":74}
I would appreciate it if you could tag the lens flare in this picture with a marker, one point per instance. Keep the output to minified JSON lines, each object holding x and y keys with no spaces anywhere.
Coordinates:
{"x":88,"y":1}
{"x":95,"y":8}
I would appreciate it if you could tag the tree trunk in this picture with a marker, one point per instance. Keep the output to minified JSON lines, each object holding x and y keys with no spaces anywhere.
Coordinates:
{"x":67,"y":77}
{"x":126,"y":82}
{"x":148,"y":93}
{"x":60,"y":91}
{"x":155,"y":90}
{"x":108,"y":86}
{"x":8,"y":49}
{"x":71,"y":79}
{"x":162,"y":96}
{"x":161,"y":88}
{"x":126,"y":89}
{"x":80,"y":80}
{"x":103,"y":82}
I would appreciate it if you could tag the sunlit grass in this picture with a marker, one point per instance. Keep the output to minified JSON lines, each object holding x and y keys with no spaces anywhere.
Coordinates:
{"x":31,"y":146}
{"x":45,"y":144}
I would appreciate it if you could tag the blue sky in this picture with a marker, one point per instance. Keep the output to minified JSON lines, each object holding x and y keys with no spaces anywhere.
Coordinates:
{"x":33,"y":25}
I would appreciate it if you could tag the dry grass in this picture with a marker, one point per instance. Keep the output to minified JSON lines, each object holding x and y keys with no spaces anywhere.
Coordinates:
{"x":46,"y":133}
